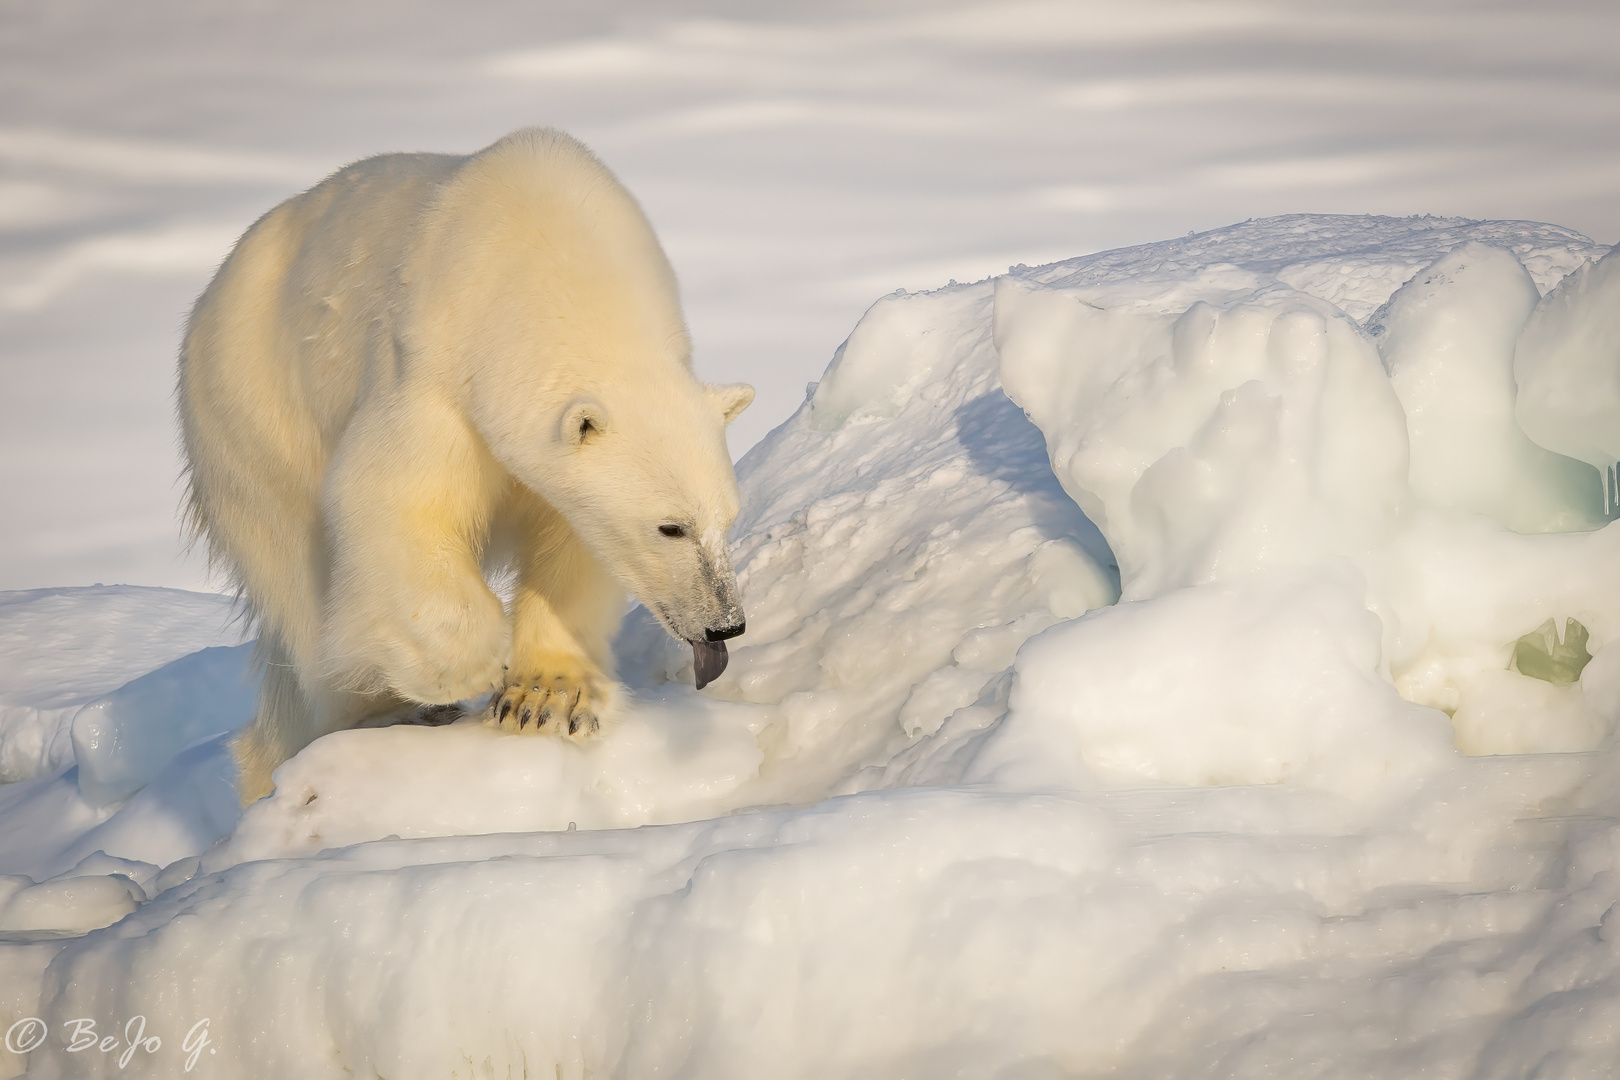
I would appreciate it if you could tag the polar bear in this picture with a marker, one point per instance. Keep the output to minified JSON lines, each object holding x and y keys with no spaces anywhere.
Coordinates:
{"x":428,"y":367}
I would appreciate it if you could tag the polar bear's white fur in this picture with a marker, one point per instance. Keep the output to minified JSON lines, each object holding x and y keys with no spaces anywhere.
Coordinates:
{"x":427,"y":366}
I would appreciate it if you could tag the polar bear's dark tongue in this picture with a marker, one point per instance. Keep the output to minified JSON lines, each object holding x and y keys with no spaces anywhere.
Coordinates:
{"x":708,"y":660}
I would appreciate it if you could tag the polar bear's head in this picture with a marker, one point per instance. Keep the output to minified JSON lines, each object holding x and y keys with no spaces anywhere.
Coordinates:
{"x":554,"y":314}
{"x":640,"y":470}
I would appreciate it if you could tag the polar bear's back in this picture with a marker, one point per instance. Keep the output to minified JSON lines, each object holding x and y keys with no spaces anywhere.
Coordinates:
{"x":280,"y":331}
{"x":315,"y":290}
{"x":534,"y":249}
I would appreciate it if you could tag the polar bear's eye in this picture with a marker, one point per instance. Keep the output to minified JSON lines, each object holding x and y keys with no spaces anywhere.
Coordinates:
{"x":672,"y":530}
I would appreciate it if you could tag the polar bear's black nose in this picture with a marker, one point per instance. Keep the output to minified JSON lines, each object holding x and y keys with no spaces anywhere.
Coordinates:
{"x":725,"y":632}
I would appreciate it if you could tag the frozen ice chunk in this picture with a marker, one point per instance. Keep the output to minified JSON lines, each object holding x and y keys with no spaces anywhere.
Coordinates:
{"x":1211,"y":442}
{"x":123,"y":740}
{"x":1447,"y":339}
{"x":1540,"y":655}
{"x":1567,"y":365}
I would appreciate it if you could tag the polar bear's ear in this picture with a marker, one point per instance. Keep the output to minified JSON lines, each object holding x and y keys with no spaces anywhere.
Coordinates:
{"x":730,"y":398}
{"x":581,"y":421}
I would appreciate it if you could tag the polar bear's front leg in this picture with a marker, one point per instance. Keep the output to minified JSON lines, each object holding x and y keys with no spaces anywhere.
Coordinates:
{"x":407,"y":608}
{"x":564,"y":613}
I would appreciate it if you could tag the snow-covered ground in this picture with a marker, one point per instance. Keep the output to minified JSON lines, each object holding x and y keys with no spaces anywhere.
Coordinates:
{"x":1294,"y":807}
{"x":797,"y":159}
{"x":1145,"y":677}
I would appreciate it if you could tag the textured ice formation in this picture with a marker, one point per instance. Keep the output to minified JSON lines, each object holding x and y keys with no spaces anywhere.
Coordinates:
{"x":1567,"y":366}
{"x":1447,"y":338}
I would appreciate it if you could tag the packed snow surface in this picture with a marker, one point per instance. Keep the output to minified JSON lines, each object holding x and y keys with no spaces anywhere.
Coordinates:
{"x":1190,"y":660}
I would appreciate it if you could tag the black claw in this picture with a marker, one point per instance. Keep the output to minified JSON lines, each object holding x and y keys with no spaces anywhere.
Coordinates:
{"x":506,"y":710}
{"x":573,"y":724}
{"x":525,"y":717}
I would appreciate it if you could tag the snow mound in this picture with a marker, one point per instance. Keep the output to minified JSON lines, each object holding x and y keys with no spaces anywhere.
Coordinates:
{"x":1217,"y":422}
{"x":121,"y":741}
{"x":901,"y":536}
{"x":1270,"y":679}
{"x":956,"y":807}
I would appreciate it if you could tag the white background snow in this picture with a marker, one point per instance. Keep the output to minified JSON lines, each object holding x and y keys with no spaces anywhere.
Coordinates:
{"x":798,"y":160}
{"x":1154,"y":717}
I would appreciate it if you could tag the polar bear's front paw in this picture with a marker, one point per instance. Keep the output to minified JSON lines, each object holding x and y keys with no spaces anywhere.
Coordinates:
{"x":560,"y":696}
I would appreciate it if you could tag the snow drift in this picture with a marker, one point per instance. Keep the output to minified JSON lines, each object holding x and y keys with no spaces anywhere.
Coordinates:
{"x":1148,"y":674}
